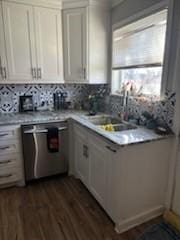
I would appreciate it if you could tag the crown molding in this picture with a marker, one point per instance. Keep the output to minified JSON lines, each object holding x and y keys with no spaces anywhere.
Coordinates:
{"x":82,"y":3}
{"x":41,"y":3}
{"x":116,"y":2}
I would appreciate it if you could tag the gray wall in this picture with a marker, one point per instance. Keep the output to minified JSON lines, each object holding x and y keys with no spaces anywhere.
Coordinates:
{"x":130,"y":7}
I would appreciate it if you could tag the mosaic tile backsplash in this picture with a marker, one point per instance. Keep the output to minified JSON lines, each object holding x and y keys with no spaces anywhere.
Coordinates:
{"x":77,"y":93}
{"x":163,"y":111}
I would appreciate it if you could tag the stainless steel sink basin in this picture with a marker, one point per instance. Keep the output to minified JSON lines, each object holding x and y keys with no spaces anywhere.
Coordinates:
{"x":104,"y":120}
{"x":124,"y":127}
{"x":117,"y":124}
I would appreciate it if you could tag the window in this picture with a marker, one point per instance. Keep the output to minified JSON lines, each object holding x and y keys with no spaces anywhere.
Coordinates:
{"x":137,"y":58}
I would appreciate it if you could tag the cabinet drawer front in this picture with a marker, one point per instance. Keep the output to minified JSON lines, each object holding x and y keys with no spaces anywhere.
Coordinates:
{"x":10,"y":160}
{"x":7,"y":133}
{"x":10,"y":175}
{"x":9,"y":147}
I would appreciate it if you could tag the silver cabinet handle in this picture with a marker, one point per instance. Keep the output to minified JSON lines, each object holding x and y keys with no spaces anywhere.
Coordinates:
{"x":4,"y":148}
{"x":85,"y":151}
{"x":6,"y":176}
{"x":39,"y":74}
{"x":33,"y":71}
{"x":4,"y":135}
{"x":5,"y":162}
{"x":84,"y":70}
{"x":111,"y":149}
{"x":3,"y":71}
{"x":42,"y":131}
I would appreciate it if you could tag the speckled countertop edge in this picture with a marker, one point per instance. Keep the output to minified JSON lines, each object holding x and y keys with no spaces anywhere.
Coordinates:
{"x":124,"y":138}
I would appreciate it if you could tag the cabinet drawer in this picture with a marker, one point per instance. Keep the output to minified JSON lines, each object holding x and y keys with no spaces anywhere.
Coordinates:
{"x":7,"y":147}
{"x":10,"y":160}
{"x":9,"y":132}
{"x":10,"y":175}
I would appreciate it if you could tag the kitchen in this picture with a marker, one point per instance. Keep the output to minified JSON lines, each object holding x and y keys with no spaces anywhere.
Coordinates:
{"x":89,"y":146}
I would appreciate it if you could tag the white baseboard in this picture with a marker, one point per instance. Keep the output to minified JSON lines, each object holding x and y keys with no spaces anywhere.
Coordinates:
{"x":124,"y":226}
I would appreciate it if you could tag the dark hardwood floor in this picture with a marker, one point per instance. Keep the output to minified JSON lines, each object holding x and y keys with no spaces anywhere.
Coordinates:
{"x":56,"y":209}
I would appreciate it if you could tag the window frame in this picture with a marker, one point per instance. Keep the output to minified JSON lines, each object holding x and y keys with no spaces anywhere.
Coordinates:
{"x":140,"y":15}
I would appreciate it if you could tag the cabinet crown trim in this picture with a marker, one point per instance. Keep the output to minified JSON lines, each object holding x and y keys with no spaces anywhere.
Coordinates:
{"x":82,"y":3}
{"x":39,"y":3}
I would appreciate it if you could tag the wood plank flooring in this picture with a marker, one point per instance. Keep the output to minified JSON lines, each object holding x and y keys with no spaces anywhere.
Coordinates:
{"x":59,"y":208}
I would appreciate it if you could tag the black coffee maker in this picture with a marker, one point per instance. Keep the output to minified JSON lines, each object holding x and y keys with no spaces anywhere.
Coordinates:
{"x":60,"y":102}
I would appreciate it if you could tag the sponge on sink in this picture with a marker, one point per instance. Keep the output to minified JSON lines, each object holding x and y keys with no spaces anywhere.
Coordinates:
{"x":173,"y":219}
{"x":108,"y":127}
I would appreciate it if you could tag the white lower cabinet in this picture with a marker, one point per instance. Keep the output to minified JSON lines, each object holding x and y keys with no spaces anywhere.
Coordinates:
{"x":92,"y":157}
{"x":129,"y":182}
{"x":81,"y":156}
{"x":98,"y":169}
{"x":11,"y":159}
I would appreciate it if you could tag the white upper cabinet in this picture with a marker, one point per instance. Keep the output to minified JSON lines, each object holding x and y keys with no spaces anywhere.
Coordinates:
{"x":20,"y":42}
{"x":85,"y":32}
{"x":49,"y":44}
{"x":3,"y":66}
{"x":33,"y":35}
{"x":33,"y":39}
{"x":75,"y":45}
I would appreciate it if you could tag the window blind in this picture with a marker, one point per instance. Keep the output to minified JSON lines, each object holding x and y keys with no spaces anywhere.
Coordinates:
{"x":140,"y":43}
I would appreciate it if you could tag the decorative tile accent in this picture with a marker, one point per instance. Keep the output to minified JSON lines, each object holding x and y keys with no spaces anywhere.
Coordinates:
{"x":163,"y":111}
{"x":9,"y":94}
{"x":78,"y":94}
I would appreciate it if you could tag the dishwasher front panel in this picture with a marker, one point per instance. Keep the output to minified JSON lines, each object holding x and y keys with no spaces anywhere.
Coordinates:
{"x":39,"y":162}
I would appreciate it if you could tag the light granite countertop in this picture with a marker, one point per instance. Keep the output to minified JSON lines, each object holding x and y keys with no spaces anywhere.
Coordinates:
{"x":123,"y":138}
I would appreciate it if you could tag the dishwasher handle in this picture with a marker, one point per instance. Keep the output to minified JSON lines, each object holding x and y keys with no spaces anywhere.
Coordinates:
{"x":34,"y":131}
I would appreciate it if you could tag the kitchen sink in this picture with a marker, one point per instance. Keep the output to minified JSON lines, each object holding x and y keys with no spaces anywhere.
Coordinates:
{"x":104,"y":120}
{"x":110,"y":123}
{"x":124,"y":127}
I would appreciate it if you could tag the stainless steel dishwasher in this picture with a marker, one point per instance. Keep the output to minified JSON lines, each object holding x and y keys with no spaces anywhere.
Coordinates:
{"x":39,"y":162}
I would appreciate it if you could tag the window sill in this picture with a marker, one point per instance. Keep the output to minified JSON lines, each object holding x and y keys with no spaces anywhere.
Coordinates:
{"x":138,"y":98}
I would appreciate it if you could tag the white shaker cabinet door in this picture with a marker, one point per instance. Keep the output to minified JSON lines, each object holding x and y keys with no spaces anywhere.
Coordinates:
{"x":82,"y":156}
{"x":3,"y":67}
{"x":75,"y":31}
{"x":20,"y":42}
{"x":49,"y":44}
{"x":98,"y":170}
